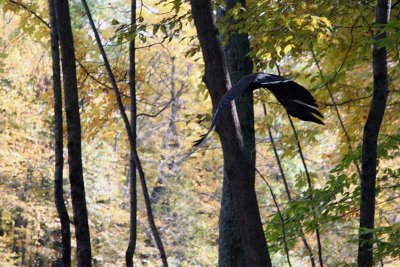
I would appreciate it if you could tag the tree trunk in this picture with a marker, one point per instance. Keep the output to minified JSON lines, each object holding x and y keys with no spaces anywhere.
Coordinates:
{"x":239,"y":64}
{"x":58,"y":135}
{"x":132,"y":166}
{"x":370,"y":139}
{"x":74,"y":133}
{"x":134,"y":154}
{"x":238,"y":167}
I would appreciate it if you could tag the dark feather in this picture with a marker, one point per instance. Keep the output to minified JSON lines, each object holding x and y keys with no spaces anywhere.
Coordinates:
{"x":199,"y":141}
{"x":294,"y":98}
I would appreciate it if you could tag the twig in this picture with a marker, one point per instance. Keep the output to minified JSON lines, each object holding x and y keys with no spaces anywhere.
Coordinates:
{"x":334,"y":102}
{"x":30,"y":11}
{"x":348,"y":101}
{"x":48,"y":26}
{"x":164,"y":107}
{"x":91,"y":75}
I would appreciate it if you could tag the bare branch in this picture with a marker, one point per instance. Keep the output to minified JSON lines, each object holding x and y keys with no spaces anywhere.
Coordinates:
{"x":128,"y":129}
{"x":279,"y":214}
{"x":30,"y":11}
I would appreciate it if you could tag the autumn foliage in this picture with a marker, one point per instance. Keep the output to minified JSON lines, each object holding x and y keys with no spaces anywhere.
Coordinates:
{"x":326,"y":46}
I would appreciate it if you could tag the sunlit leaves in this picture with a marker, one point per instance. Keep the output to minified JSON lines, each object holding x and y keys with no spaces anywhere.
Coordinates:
{"x":281,"y":34}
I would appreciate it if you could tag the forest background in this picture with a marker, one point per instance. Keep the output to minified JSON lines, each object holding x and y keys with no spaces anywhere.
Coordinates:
{"x":324,"y":45}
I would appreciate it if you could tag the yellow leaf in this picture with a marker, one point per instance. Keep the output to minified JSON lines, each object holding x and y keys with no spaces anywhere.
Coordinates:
{"x":108,"y":33}
{"x":290,"y":37}
{"x":326,"y":21}
{"x":278,"y":50}
{"x":314,"y":22}
{"x":287,"y":49}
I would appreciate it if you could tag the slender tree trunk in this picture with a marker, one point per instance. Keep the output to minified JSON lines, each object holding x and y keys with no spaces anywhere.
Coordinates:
{"x":74,"y":134}
{"x":132,"y":173}
{"x":299,"y":228}
{"x":370,"y":138}
{"x":311,"y":196}
{"x":58,"y":135}
{"x":237,"y":165}
{"x":231,"y":251}
{"x":1,"y":223}
{"x":131,"y":138}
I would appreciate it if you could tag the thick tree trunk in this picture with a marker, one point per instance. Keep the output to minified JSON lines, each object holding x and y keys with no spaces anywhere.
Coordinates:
{"x":370,"y":138}
{"x":74,"y":133}
{"x":132,"y":173}
{"x":239,"y":64}
{"x":58,"y":135}
{"x":237,"y":165}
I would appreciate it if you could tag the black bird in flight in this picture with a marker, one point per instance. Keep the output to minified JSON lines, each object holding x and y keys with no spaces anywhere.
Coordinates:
{"x":297,"y":101}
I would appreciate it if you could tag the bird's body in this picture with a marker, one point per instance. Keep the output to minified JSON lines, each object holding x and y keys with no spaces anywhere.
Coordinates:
{"x":297,"y":101}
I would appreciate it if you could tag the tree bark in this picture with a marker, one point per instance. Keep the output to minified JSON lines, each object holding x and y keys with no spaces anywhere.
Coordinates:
{"x":74,"y":134}
{"x":237,"y":165}
{"x":132,"y":173}
{"x":370,"y":138}
{"x":239,"y":64}
{"x":58,"y":135}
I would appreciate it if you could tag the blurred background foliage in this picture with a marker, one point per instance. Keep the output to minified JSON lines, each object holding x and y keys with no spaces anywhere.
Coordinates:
{"x":288,"y":37}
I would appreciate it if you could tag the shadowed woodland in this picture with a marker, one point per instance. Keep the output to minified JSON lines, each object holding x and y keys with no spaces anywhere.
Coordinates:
{"x":222,"y":133}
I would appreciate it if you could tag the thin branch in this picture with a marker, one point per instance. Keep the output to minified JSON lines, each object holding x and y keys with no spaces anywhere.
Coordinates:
{"x":277,"y":158}
{"x":164,"y":107}
{"x":279,"y":214}
{"x":48,"y":26}
{"x":346,"y":55}
{"x":30,"y":11}
{"x":91,"y":75}
{"x":299,"y":228}
{"x":134,"y":153}
{"x":310,"y":188}
{"x":151,"y":10}
{"x":345,"y":102}
{"x":334,"y":102}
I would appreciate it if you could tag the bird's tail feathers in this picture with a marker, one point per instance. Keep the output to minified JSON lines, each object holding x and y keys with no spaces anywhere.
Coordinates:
{"x":311,"y":108}
{"x":304,"y":112}
{"x":311,"y":117}
{"x":212,"y":125}
{"x":199,"y":141}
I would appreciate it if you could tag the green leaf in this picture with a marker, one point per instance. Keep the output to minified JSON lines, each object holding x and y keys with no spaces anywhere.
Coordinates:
{"x":115,"y":22}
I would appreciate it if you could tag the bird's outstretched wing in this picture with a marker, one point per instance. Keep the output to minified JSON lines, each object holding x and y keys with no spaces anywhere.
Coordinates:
{"x":237,"y":89}
{"x":295,"y":98}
